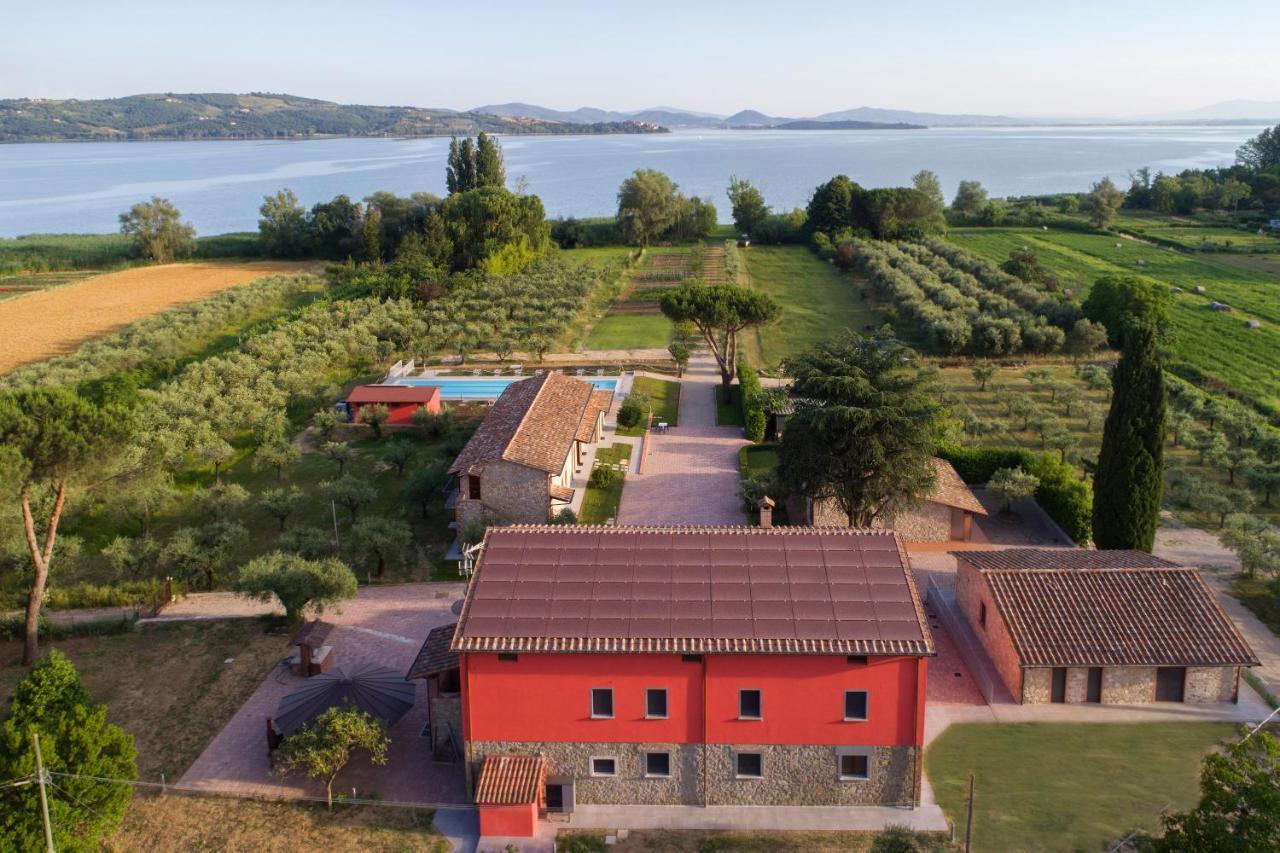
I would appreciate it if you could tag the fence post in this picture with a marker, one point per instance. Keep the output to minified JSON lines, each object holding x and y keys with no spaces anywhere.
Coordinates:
{"x":968,"y":824}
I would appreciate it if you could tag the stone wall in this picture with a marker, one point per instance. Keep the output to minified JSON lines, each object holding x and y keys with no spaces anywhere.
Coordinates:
{"x":446,"y":726}
{"x":809,"y":775}
{"x":930,"y":522}
{"x":972,"y":592}
{"x":1128,"y":685}
{"x":1212,"y":684}
{"x":1037,"y":686}
{"x":793,"y":774}
{"x":514,"y":493}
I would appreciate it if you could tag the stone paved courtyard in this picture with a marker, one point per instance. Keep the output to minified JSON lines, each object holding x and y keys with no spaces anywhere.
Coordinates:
{"x":385,"y":625}
{"x":691,"y":475}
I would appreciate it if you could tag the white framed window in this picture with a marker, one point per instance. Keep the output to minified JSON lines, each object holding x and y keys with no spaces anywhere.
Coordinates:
{"x":601,"y":703}
{"x":748,"y":765}
{"x":655,"y":703}
{"x":856,"y":704}
{"x":603,"y":765}
{"x":853,"y":763}
{"x":657,"y":764}
{"x":749,"y":705}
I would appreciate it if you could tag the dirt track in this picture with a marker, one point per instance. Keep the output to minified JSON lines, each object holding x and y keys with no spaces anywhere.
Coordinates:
{"x":55,"y":321}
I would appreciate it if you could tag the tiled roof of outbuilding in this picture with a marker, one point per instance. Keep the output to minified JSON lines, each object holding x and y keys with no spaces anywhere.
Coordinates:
{"x":729,"y":590}
{"x":435,"y":656}
{"x":507,"y":780}
{"x":533,"y":422}
{"x":1115,"y":617}
{"x":1062,"y":558}
{"x":950,"y":490}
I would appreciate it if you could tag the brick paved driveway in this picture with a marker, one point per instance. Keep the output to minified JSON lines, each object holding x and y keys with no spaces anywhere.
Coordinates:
{"x":691,"y":475}
{"x":385,"y":625}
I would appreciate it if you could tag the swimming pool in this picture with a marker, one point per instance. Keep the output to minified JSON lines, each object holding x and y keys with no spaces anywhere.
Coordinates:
{"x":488,"y":387}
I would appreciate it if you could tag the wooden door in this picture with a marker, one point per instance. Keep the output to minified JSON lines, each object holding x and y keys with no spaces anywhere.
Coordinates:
{"x":1170,"y":683}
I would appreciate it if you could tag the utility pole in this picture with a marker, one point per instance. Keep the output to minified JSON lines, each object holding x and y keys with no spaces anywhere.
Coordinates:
{"x":968,"y":824}
{"x":44,"y":797}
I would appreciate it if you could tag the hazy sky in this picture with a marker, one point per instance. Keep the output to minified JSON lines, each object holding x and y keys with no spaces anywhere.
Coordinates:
{"x":790,"y":58}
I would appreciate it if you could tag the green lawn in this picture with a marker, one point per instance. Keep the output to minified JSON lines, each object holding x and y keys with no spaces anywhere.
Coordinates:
{"x":1215,"y":344}
{"x":630,"y":331}
{"x":758,"y":460}
{"x":1197,"y":235}
{"x":1067,"y":786}
{"x":601,"y":504}
{"x":664,"y":395}
{"x":817,"y":302}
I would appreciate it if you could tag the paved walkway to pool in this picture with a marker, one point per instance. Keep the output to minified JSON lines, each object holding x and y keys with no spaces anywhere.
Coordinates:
{"x":691,"y":475}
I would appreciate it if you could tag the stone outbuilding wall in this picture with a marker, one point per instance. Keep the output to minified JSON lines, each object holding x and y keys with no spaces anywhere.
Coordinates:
{"x":972,"y":594}
{"x":513,"y":493}
{"x":929,"y":522}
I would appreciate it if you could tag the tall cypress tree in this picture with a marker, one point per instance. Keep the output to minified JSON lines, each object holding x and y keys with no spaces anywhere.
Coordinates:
{"x":466,"y":165}
{"x":490,"y":171}
{"x":1130,"y":478}
{"x":452,"y":172}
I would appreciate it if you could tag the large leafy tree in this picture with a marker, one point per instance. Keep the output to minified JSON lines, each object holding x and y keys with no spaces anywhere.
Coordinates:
{"x":484,"y":222}
{"x":299,"y":584}
{"x":970,"y":198}
{"x":1261,"y":152}
{"x":1118,"y":301}
{"x":1130,"y":477}
{"x":1239,"y":806}
{"x":749,"y":209}
{"x":49,"y":438}
{"x":1103,"y":202}
{"x":75,"y":739}
{"x":720,"y":312}
{"x":831,"y":207}
{"x":158,"y":231}
{"x":648,"y":206}
{"x":865,"y":428}
{"x":282,"y":225}
{"x":326,"y":745}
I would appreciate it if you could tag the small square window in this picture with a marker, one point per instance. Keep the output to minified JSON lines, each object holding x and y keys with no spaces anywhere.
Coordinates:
{"x":982,"y":614}
{"x":657,"y":764}
{"x":655,"y":703}
{"x":604,"y":767}
{"x":508,"y":657}
{"x":855,"y":766}
{"x":856,"y":660}
{"x":691,"y":658}
{"x":749,"y":705}
{"x":855,"y":704}
{"x":602,"y":702}
{"x":749,"y":765}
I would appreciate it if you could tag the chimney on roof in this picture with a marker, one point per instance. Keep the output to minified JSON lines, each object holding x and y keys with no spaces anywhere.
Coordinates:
{"x":765,"y":505}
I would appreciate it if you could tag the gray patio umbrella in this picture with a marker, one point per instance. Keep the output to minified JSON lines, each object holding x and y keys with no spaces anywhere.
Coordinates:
{"x":382,"y":692}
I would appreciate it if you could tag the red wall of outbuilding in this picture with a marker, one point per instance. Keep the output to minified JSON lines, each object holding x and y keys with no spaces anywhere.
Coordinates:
{"x":546,"y":697}
{"x":504,"y":821}
{"x":400,"y":413}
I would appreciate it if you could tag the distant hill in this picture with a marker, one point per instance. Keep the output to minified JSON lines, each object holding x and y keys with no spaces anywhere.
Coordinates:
{"x":809,"y":124}
{"x":752,"y":118}
{"x":260,"y":116}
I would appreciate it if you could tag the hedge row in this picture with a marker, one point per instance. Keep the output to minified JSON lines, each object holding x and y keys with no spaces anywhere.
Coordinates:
{"x":752,"y":395}
{"x":1066,"y":498}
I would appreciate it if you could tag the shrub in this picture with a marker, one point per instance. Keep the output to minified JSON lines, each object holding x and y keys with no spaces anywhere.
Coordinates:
{"x":565,"y":516}
{"x":602,"y":477}
{"x":633,"y":410}
{"x":753,"y":415}
{"x":1064,"y":497}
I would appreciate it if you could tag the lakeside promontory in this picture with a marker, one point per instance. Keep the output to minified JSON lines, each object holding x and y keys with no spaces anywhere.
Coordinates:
{"x":259,"y":116}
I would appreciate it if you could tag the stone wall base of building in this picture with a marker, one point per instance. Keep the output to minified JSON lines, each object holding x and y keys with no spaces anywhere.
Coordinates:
{"x":793,"y":775}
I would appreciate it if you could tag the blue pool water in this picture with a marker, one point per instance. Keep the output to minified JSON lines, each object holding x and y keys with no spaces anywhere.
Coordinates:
{"x":488,"y":388}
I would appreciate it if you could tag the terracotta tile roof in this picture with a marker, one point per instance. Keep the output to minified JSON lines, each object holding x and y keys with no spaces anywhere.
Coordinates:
{"x":435,"y":656}
{"x":1062,"y":558}
{"x":533,"y":422}
{"x":507,"y":780}
{"x":559,"y":492}
{"x":393,"y":394}
{"x":729,"y":590}
{"x":1116,"y":617}
{"x":950,"y":490}
{"x":600,"y":401}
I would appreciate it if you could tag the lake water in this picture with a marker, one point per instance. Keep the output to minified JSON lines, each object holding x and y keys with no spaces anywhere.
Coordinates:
{"x":82,"y":187}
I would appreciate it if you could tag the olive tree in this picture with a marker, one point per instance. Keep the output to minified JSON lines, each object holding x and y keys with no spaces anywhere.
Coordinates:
{"x":298,"y":583}
{"x":325,"y":745}
{"x":1012,"y":485}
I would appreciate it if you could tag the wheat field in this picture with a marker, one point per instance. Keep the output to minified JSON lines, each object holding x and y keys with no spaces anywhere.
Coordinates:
{"x":55,"y":321}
